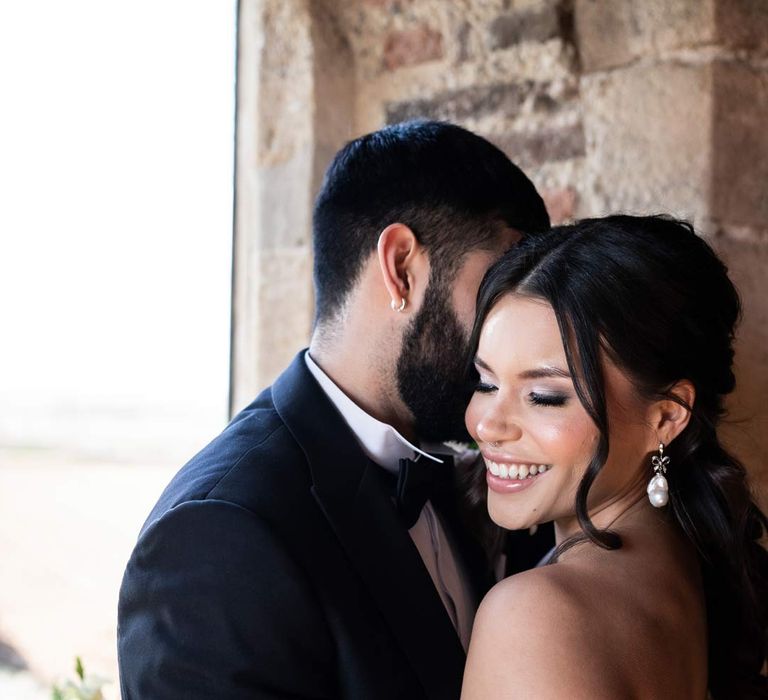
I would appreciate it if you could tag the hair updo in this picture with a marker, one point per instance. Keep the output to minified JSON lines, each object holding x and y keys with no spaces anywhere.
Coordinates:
{"x":654,"y":298}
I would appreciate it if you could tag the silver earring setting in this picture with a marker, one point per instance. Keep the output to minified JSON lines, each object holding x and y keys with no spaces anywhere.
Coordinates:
{"x":658,"y":488}
{"x":395,"y":307}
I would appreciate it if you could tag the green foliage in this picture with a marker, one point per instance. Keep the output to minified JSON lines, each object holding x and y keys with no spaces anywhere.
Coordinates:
{"x":85,"y":688}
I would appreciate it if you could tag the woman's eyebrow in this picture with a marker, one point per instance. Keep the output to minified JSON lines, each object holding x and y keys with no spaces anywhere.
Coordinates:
{"x":544,"y":372}
{"x":482,"y":364}
{"x":537,"y":373}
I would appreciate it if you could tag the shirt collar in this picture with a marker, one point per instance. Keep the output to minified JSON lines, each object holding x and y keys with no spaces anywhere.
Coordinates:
{"x":380,"y":441}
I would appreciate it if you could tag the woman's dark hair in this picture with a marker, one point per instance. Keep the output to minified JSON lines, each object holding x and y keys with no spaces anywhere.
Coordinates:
{"x":453,"y":188}
{"x":655,"y":299}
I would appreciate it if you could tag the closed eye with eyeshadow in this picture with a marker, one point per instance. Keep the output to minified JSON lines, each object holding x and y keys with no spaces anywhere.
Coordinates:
{"x":541,"y":399}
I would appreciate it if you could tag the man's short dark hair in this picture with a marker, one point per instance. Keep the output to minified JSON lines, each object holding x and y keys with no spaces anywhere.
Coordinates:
{"x":454,"y":189}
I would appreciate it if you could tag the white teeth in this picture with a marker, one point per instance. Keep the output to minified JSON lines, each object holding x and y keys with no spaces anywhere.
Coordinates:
{"x":516,"y":471}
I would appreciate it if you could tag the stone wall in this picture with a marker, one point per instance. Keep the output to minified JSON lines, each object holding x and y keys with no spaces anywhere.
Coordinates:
{"x":507,"y":71}
{"x":643,"y":107}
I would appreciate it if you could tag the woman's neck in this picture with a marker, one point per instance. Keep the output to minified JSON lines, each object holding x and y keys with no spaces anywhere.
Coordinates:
{"x":611,"y":515}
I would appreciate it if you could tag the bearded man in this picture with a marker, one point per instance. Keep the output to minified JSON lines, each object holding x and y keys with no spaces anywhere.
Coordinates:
{"x":316,"y":548}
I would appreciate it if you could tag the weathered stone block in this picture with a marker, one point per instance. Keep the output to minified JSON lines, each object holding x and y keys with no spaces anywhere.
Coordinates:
{"x":534,"y":24}
{"x":286,"y":302}
{"x":462,"y":40}
{"x":547,"y":101}
{"x":282,"y":78}
{"x":501,"y":100}
{"x":740,"y":144}
{"x":393,"y":6}
{"x":295,"y":94}
{"x":412,"y":46}
{"x":459,"y":105}
{"x":648,"y":131}
{"x":333,"y":89}
{"x":560,"y":203}
{"x":742,"y":24}
{"x":282,"y":201}
{"x":544,"y":145}
{"x":615,"y":33}
{"x":746,"y":430}
{"x":672,"y":24}
{"x":605,"y":34}
{"x":274,"y":317}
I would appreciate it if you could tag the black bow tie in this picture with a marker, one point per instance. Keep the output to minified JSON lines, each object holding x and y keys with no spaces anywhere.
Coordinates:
{"x":419,"y":481}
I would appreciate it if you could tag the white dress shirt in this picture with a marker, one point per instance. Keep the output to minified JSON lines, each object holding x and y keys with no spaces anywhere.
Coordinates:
{"x":386,"y":447}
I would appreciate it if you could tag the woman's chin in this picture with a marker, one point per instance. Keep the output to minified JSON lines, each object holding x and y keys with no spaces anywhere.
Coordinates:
{"x":510,"y":520}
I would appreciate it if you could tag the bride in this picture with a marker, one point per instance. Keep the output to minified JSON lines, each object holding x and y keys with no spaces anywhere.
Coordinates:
{"x":604,"y":354}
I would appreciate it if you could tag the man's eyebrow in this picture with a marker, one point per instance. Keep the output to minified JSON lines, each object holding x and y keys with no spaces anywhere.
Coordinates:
{"x":545,"y":372}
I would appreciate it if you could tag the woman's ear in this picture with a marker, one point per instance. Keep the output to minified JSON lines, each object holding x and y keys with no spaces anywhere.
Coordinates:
{"x":670,"y":416}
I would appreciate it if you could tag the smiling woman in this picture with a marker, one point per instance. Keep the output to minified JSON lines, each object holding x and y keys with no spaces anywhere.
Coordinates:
{"x":575,"y":397}
{"x":531,"y":393}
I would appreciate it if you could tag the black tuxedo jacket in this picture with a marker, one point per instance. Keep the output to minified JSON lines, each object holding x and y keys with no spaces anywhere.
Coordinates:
{"x":274,"y":566}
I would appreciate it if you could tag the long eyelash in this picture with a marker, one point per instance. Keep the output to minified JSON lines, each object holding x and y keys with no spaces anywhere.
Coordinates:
{"x":483,"y":388}
{"x":547,"y":399}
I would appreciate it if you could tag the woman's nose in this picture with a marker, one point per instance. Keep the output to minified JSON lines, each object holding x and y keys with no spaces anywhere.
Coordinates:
{"x":494,"y":427}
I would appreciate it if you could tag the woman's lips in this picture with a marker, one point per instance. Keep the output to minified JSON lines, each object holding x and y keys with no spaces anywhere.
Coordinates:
{"x":509,"y":477}
{"x":503,"y":458}
{"x":503,"y":465}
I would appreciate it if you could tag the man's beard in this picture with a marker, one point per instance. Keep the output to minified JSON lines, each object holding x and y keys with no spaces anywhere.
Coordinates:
{"x":432,"y":368}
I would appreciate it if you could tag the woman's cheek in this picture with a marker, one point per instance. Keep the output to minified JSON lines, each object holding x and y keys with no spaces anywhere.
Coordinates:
{"x":567,"y":439}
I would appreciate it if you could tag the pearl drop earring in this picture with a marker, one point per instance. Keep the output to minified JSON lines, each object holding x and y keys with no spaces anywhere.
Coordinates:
{"x":658,"y":488}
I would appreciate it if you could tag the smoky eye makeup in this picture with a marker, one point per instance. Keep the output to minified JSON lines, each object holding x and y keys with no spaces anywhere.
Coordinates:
{"x":482,"y":387}
{"x":547,"y":398}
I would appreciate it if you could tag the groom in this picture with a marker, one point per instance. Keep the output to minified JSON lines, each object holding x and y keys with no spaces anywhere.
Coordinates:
{"x":316,"y":549}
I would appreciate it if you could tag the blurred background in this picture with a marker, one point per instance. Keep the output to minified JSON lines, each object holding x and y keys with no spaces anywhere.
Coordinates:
{"x":135,"y":321}
{"x":116,"y":186}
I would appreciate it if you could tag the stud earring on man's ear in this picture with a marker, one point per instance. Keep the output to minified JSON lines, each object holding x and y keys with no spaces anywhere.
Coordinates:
{"x":398,"y":308}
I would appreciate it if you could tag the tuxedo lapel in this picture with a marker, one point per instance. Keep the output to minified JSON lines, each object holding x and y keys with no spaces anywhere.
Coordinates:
{"x":348,"y":488}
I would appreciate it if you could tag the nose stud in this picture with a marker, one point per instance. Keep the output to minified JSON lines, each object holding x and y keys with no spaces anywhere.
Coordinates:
{"x":480,"y":431}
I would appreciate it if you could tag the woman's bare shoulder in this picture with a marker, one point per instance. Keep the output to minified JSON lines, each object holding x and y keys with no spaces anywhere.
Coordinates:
{"x":532,"y":601}
{"x":530,"y":634}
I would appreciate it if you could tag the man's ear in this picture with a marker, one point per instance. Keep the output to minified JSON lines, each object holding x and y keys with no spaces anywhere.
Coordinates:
{"x":669,"y":417}
{"x":400,"y":262}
